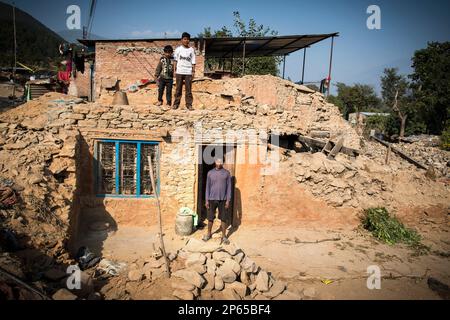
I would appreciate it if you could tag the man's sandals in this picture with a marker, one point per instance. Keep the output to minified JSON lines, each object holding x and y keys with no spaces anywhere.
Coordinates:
{"x":224,"y":240}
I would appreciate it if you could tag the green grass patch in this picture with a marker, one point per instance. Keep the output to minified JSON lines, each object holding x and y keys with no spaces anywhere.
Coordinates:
{"x":388,"y":228}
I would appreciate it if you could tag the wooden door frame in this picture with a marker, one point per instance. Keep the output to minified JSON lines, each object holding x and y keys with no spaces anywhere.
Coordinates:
{"x":198,"y":146}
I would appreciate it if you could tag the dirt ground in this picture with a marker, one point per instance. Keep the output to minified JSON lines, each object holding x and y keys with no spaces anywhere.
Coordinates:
{"x":304,"y":256}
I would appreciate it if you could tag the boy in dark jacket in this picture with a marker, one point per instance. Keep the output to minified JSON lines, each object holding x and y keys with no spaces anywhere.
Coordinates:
{"x":164,"y":76}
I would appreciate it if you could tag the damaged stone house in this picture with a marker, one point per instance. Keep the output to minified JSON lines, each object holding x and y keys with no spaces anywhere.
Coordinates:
{"x":249,"y":121}
{"x":249,"y":131}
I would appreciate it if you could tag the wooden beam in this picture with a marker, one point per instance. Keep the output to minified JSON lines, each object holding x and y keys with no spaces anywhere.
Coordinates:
{"x":319,"y":144}
{"x":336,"y":149}
{"x":400,"y":153}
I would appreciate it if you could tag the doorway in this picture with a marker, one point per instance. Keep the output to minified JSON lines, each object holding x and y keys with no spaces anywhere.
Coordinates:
{"x":206,"y":156}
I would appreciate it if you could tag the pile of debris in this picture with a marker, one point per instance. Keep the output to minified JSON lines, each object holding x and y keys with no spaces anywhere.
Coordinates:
{"x":210,"y":271}
{"x":38,"y":183}
{"x":428,"y":153}
{"x":361,"y":182}
{"x":41,"y":168}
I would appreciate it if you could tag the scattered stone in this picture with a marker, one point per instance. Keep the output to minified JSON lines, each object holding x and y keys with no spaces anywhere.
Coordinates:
{"x":195,"y":258}
{"x":155,"y":263}
{"x":230,"y":294}
{"x":183,"y":294}
{"x":226,"y":273}
{"x":135,"y":275}
{"x":232,"y":249}
{"x":210,"y":283}
{"x":191,"y":277}
{"x":64,"y":294}
{"x":220,"y":255}
{"x":211,"y":267}
{"x":147,"y":271}
{"x":230,"y":263}
{"x":277,"y":289}
{"x":35,"y":178}
{"x":195,"y":245}
{"x":245,"y":279}
{"x":172,"y":256}
{"x":249,"y":265}
{"x":199,"y":268}
{"x":156,"y":273}
{"x":196,"y":292}
{"x":238,"y":257}
{"x":240,"y":288}
{"x":262,"y":281}
{"x":182,"y":284}
{"x":218,"y":283}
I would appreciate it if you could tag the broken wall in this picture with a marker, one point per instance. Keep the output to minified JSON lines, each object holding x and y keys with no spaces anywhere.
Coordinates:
{"x":131,"y":61}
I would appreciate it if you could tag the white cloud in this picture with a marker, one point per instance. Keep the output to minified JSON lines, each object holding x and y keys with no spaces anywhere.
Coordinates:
{"x":155,"y":34}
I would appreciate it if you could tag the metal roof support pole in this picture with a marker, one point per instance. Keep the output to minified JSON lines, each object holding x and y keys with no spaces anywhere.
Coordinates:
{"x":284,"y":64}
{"x":303,"y":68}
{"x":243,"y":59}
{"x":15,"y":52}
{"x":329,"y":70}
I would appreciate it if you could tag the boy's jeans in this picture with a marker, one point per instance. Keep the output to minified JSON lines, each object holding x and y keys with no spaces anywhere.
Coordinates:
{"x":187,"y":79}
{"x":167,"y":84}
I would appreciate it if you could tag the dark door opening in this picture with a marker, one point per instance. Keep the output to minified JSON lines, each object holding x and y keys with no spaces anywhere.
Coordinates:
{"x":207,"y":154}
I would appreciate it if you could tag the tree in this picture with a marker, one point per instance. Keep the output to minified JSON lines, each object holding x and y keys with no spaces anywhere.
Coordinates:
{"x":357,"y":98}
{"x":253,"y":65}
{"x":431,"y":84}
{"x":394,"y":91}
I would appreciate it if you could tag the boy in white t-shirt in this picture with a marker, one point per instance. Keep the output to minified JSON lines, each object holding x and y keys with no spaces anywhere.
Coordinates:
{"x":184,"y":67}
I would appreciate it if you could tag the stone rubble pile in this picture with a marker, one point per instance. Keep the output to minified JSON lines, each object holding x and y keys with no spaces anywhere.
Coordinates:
{"x":223,"y":272}
{"x":41,"y":165}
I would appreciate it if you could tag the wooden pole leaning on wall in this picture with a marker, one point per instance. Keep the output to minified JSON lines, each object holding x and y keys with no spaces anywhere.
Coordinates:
{"x":163,"y":248}
{"x":388,"y":154}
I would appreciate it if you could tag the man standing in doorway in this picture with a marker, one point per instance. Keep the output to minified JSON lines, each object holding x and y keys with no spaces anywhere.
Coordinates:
{"x":218,"y":196}
{"x":184,"y":66}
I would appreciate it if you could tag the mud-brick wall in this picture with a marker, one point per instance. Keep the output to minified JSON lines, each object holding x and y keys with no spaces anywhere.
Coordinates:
{"x":178,"y":178}
{"x":132,"y":61}
{"x":80,"y":85}
{"x":176,"y":181}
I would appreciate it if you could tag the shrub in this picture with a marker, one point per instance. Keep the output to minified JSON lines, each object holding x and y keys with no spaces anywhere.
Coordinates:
{"x":388,"y":228}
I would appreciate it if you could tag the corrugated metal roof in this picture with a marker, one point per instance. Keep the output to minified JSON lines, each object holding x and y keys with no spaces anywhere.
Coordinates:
{"x":234,"y":46}
{"x":261,"y":46}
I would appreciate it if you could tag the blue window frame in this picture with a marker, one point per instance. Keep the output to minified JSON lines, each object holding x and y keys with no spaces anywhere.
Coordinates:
{"x":122,"y":168}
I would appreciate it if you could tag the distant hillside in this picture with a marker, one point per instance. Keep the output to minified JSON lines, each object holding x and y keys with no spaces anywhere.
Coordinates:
{"x":37,"y":45}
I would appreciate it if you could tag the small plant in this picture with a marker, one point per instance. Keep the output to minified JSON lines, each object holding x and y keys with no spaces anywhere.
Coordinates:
{"x":445,"y":138}
{"x":388,"y":228}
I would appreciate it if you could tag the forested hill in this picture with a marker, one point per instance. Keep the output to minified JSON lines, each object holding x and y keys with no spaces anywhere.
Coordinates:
{"x":37,"y":45}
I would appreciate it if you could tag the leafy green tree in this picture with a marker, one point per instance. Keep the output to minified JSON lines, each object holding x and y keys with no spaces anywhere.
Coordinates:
{"x":431,"y":84}
{"x":253,"y":65}
{"x":356,"y":98}
{"x":397,"y":95}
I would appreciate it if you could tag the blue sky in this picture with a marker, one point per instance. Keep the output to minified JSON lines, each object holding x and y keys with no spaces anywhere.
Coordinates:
{"x":360,"y":54}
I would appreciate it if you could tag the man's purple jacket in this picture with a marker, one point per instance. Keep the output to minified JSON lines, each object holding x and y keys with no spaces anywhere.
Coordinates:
{"x":218,"y":185}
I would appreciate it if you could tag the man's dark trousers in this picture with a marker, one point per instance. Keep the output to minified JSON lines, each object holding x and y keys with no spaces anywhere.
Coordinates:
{"x":187,"y":79}
{"x":167,"y":84}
